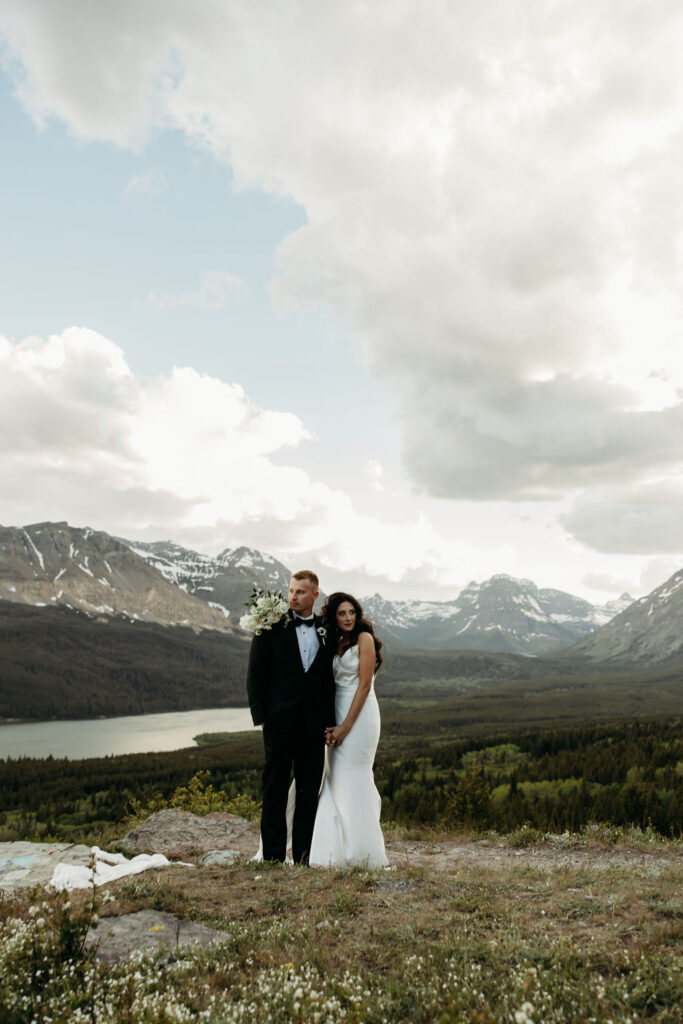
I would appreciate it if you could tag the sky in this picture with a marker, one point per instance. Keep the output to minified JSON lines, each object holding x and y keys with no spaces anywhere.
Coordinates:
{"x":391,"y":290}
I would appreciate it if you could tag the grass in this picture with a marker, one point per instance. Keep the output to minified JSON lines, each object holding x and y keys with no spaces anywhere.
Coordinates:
{"x":486,"y":939}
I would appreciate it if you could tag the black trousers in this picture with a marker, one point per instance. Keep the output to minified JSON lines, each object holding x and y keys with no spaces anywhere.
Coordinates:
{"x":290,"y":745}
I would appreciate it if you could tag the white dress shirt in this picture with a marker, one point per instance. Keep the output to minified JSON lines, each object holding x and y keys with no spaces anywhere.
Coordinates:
{"x":309,"y":642}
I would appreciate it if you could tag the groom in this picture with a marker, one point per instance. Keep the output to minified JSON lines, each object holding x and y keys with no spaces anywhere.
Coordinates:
{"x":291,"y":696}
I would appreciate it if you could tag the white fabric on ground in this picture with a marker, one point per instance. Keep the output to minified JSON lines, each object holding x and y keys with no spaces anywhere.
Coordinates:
{"x":108,"y":867}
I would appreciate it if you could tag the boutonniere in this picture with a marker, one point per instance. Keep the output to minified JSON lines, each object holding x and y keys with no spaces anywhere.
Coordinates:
{"x":322,"y":633}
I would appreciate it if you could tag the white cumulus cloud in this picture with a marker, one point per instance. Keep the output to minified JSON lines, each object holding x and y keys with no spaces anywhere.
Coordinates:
{"x":492,"y":199}
{"x":184,"y":455}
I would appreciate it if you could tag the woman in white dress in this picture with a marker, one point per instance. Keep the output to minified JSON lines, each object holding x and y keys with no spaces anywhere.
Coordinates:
{"x":347,"y":829}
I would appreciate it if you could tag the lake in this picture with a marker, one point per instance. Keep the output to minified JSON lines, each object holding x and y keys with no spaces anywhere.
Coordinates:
{"x":136,"y":734}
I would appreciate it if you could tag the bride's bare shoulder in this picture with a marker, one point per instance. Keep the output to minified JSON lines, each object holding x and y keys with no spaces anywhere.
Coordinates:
{"x":365,"y":641}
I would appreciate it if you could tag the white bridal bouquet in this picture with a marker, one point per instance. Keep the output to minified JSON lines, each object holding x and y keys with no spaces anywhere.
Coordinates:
{"x":264,"y":609}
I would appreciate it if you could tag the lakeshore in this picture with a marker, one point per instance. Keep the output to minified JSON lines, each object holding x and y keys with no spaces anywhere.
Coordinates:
{"x":130,"y":734}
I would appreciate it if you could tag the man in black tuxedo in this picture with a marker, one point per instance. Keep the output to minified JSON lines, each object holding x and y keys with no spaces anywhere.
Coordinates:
{"x":291,"y":696}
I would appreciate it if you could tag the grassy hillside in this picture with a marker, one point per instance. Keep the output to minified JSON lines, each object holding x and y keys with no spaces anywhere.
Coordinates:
{"x":488,"y":939}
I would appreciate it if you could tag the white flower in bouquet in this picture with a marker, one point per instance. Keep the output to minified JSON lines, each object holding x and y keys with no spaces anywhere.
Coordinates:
{"x":250,"y":623}
{"x":263,"y":611}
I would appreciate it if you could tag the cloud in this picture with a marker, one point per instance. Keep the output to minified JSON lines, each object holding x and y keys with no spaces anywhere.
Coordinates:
{"x":492,"y":200}
{"x":73,"y":412}
{"x":185,"y":455}
{"x":608,"y":583}
{"x":150,"y":183}
{"x":654,"y":573}
{"x":644,"y":520}
{"x":538,"y":441}
{"x":58,"y":53}
{"x":375,"y":474}
{"x":216,"y":290}
{"x":657,"y":571}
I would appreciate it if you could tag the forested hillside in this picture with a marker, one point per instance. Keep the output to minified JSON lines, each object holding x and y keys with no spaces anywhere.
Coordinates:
{"x":549,"y":779}
{"x":59,"y":663}
{"x":552,"y":780}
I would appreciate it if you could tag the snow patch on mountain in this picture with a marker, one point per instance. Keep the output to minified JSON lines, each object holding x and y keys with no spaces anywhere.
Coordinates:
{"x":163,"y":581}
{"x":54,"y":563}
{"x":501,"y":613}
{"x":223,"y":582}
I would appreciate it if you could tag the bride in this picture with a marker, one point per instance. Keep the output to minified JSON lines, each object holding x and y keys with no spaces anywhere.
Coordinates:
{"x":347,"y":829}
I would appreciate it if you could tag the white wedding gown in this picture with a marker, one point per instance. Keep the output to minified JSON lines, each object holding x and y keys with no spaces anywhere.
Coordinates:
{"x":347,"y":829}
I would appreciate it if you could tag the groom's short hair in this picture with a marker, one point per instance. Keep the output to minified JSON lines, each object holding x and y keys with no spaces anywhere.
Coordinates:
{"x":306,"y":574}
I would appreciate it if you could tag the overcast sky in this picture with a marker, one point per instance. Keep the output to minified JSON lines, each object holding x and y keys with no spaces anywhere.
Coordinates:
{"x":391,"y":289}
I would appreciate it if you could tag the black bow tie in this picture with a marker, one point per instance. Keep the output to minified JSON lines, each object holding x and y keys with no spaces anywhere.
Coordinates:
{"x":304,"y":622}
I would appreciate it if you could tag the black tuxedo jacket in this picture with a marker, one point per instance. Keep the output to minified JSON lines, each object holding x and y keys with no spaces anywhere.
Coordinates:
{"x":276,"y":680}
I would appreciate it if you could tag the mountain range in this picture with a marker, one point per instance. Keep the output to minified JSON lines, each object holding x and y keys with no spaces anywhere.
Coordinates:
{"x":501,"y":614}
{"x":54,"y":564}
{"x":223,"y":582}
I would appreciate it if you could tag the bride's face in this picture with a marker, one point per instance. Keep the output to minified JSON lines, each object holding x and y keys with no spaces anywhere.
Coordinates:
{"x":346,"y":616}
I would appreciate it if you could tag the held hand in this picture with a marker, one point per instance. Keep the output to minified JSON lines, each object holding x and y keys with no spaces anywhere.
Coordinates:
{"x":334,"y":737}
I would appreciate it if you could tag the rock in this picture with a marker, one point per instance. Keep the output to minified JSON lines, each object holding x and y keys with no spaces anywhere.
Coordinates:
{"x":176,"y":831}
{"x":397,"y":884}
{"x":125,"y":847}
{"x":218,"y":858}
{"x":24,"y":864}
{"x":147,"y":930}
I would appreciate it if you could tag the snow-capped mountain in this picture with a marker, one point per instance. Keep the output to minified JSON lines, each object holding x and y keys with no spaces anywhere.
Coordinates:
{"x":650,"y":630}
{"x":500,"y":614}
{"x":224,"y":582}
{"x":50,"y":564}
{"x":54,"y":563}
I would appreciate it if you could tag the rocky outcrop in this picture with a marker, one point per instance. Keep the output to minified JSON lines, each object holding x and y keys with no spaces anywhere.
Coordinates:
{"x":179,"y":832}
{"x":149,"y":931}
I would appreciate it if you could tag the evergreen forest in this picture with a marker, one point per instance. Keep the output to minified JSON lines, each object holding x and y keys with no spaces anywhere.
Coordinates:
{"x":555,"y":780}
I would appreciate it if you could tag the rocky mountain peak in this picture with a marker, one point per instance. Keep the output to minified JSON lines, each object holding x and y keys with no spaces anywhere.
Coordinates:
{"x":55,"y":563}
{"x":646,"y":631}
{"x":225,"y":581}
{"x":502,"y":613}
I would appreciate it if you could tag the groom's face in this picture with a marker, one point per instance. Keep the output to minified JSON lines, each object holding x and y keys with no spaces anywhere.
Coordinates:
{"x":302,"y":595}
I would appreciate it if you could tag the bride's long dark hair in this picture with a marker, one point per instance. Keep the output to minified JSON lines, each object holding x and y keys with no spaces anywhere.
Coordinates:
{"x":362,"y":625}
